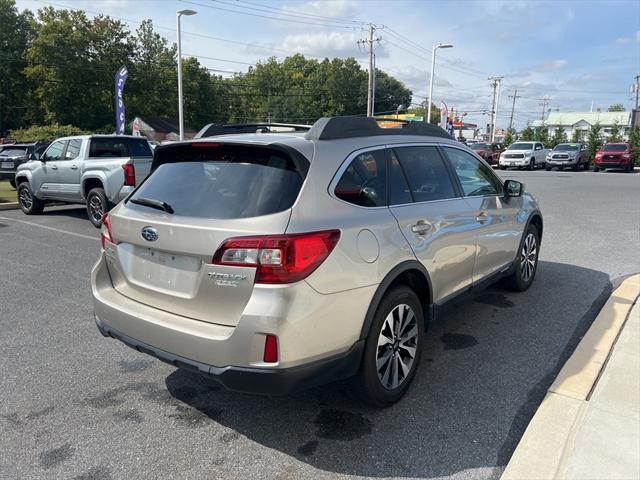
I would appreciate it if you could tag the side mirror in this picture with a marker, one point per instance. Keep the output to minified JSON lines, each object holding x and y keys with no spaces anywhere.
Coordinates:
{"x":513,"y":188}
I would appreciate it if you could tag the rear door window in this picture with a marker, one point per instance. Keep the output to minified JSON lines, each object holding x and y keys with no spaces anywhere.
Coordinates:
{"x":73,"y":149}
{"x":364,"y":181}
{"x":222,"y":182}
{"x":426,"y":173}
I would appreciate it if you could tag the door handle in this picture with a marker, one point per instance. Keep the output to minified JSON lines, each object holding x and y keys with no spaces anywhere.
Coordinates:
{"x":53,"y":167}
{"x":421,"y":227}
{"x":74,"y":167}
{"x":482,"y":217}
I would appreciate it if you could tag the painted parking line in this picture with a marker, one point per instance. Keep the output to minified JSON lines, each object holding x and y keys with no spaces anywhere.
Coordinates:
{"x":59,"y":230}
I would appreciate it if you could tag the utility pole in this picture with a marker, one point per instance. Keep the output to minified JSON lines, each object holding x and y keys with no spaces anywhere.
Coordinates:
{"x":513,"y":106}
{"x":634,"y":115}
{"x":370,"y":42}
{"x":545,"y":102}
{"x":495,"y":83}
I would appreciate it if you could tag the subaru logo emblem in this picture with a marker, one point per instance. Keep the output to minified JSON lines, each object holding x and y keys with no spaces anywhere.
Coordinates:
{"x":150,"y":234}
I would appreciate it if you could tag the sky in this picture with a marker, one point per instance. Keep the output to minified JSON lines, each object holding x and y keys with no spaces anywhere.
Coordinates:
{"x":573,"y":53}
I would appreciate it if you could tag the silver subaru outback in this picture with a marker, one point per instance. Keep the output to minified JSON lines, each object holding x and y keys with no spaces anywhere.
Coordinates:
{"x":277,"y":261}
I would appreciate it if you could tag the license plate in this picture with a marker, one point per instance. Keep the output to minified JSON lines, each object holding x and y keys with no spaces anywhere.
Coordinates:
{"x":7,"y":164}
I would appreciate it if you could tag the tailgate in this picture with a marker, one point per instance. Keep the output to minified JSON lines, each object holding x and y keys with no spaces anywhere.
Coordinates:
{"x":174,"y":272}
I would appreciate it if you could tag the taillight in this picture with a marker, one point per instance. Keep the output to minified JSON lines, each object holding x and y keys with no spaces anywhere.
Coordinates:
{"x":129,"y":175}
{"x":270,"y":349}
{"x":278,"y":258}
{"x":105,"y":230}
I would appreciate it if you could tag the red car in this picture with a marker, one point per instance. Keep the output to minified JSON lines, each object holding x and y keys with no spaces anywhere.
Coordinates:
{"x":614,"y":155}
{"x":489,"y":151}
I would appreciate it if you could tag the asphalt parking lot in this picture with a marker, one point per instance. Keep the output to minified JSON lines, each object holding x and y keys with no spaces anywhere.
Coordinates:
{"x":77,"y":405}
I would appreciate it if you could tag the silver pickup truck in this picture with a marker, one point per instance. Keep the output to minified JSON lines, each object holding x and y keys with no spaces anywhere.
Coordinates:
{"x":96,"y":170}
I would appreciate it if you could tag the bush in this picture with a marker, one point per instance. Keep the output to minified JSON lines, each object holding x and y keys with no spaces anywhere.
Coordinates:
{"x":634,"y":140}
{"x":45,"y":133}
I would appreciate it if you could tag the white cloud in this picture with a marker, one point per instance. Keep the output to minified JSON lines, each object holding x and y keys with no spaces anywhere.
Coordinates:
{"x":550,"y":66}
{"x":622,"y":40}
{"x":334,"y":9}
{"x":329,"y":44}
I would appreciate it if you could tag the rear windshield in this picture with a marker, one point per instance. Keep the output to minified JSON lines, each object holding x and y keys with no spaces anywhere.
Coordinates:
{"x":480,"y":146}
{"x":13,"y":152}
{"x":613,"y":147}
{"x":222,"y":182}
{"x":119,"y":147}
{"x":521,"y":146}
{"x":565,"y":147}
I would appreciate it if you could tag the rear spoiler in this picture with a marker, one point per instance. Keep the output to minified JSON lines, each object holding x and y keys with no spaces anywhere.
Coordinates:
{"x":214,"y":129}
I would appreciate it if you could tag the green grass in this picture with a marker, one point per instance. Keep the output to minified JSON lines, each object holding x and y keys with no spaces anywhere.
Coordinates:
{"x":7,"y":193}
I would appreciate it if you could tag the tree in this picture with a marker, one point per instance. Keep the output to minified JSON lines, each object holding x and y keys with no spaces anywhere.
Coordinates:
{"x":594,"y":140}
{"x":72,"y":62}
{"x":559,"y":136}
{"x":420,"y":112}
{"x":634,"y":141}
{"x":541,"y":134}
{"x":46,"y":133}
{"x":16,"y":34}
{"x":509,"y":137}
{"x":577,"y":136}
{"x":527,"y":134}
{"x":618,"y":107}
{"x":616,"y":133}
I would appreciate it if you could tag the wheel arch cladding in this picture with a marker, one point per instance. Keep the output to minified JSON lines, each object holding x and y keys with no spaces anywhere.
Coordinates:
{"x":91,"y":183}
{"x":410,"y":273}
{"x":536,"y":220}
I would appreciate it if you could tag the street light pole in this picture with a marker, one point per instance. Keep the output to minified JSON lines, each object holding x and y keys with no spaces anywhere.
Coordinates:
{"x":179,"y":13}
{"x":433,"y":66}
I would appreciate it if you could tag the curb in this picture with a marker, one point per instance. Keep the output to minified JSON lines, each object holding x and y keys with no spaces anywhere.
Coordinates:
{"x":9,"y":206}
{"x":549,"y":435}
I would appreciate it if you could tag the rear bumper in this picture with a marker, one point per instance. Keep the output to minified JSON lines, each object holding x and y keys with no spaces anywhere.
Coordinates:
{"x":317,"y":335}
{"x":267,"y":381}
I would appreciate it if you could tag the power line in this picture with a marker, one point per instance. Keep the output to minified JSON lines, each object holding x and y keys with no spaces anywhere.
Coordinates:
{"x":298,"y":21}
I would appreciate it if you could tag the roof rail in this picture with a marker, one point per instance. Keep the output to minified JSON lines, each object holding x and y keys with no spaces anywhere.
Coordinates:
{"x":213,"y":129}
{"x":333,"y":128}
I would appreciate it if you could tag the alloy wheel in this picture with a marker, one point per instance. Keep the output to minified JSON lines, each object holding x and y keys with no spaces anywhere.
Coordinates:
{"x":397,"y":344}
{"x":25,"y":198}
{"x":528,"y":257}
{"x":96,"y":208}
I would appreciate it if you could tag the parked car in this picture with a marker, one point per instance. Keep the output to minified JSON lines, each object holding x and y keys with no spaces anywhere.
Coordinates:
{"x":281,"y":261}
{"x":12,"y":155}
{"x":528,"y":155}
{"x":97,"y":170}
{"x":489,"y":151}
{"x":573,"y":155}
{"x":615,"y":155}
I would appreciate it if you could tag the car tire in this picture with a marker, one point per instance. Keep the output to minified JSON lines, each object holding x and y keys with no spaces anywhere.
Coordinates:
{"x":97,"y":205}
{"x":548,"y":169}
{"x":576,"y":167}
{"x":381,"y":380}
{"x":628,"y":168}
{"x":526,"y":263}
{"x":596,"y":169}
{"x":532,"y":164}
{"x":12,"y":182}
{"x":29,"y":204}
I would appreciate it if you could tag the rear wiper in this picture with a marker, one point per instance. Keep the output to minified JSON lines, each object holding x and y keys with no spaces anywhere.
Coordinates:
{"x":157,"y":204}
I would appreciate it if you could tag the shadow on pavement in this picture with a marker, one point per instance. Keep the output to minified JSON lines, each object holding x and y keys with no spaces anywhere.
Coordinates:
{"x":484,"y":371}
